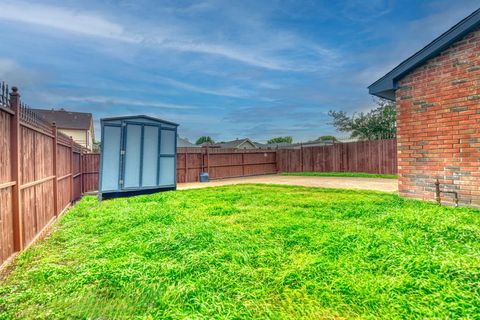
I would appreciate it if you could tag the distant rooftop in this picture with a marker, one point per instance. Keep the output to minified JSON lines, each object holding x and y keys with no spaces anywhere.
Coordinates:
{"x":66,"y":119}
{"x":184,"y":143}
{"x":234,"y":143}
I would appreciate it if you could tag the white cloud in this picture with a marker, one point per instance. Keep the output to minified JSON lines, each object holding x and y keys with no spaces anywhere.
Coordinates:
{"x":225,"y":92}
{"x":85,"y":23}
{"x":366,"y":11}
{"x":6,"y":66}
{"x":128,"y":102}
{"x":16,"y":75}
{"x":250,"y":57}
{"x":266,"y":49}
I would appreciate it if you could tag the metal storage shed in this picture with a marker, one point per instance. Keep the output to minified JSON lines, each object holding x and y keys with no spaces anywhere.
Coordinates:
{"x":138,"y":156}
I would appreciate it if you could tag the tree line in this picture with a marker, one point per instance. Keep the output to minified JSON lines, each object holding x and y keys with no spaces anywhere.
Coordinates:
{"x":378,"y":123}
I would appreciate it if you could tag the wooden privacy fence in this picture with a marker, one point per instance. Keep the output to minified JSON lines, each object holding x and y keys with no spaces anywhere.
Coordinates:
{"x":223,"y":163}
{"x":219,"y":163}
{"x":40,"y":173}
{"x":377,"y":156}
{"x":90,"y":171}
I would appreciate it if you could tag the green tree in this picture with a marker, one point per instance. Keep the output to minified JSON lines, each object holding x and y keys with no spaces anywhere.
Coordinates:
{"x":326,"y":138}
{"x":96,"y":146}
{"x":287,"y":139}
{"x":204,"y":139}
{"x":379,"y":123}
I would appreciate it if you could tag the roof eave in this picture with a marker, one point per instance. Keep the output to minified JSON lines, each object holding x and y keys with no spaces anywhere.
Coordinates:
{"x":387,"y":84}
{"x":386,"y":94}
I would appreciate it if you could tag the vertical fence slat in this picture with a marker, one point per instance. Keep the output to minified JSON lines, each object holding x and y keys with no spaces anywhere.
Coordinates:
{"x":72,"y":195}
{"x":55,"y":182}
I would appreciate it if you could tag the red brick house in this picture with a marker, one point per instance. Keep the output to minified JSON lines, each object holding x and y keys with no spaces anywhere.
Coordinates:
{"x":437,"y":92}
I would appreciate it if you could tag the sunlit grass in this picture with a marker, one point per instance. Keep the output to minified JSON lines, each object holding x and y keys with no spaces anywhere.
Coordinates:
{"x":252,"y":251}
{"x":341,"y":174}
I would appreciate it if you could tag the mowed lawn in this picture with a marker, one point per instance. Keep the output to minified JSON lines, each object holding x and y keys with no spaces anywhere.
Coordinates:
{"x":252,"y":251}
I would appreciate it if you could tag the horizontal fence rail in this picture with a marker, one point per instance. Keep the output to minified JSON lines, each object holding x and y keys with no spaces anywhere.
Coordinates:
{"x":41,"y":174}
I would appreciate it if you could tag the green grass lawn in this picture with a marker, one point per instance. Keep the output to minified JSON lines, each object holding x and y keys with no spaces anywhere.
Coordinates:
{"x":252,"y":251}
{"x":341,"y":174}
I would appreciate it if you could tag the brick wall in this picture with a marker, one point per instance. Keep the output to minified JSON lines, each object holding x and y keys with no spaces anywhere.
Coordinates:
{"x":438,"y":124}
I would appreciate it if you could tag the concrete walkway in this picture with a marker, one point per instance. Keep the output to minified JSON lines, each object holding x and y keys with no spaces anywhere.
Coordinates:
{"x":377,"y":184}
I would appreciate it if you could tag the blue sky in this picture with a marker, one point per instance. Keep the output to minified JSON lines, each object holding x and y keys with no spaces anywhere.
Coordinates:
{"x":228,"y":69}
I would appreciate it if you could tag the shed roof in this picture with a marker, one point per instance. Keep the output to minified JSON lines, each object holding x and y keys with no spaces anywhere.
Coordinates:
{"x":385,"y":86}
{"x":66,"y":119}
{"x":139,"y":116}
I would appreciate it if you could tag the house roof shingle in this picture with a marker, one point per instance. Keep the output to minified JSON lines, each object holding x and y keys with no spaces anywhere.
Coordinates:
{"x":234,"y":143}
{"x":184,"y":143}
{"x":66,"y":119}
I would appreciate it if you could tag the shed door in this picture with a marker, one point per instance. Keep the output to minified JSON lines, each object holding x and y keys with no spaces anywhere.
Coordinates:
{"x":167,"y":168}
{"x":111,"y":161}
{"x":140,"y":162}
{"x":150,"y":156}
{"x":132,"y":146}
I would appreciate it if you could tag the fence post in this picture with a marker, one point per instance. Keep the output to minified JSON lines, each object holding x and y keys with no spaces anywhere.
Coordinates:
{"x":312,"y":161}
{"x":186,"y":164}
{"x":15,"y":147}
{"x":80,"y":168}
{"x":55,"y":180}
{"x":301,"y":156}
{"x":277,"y":159}
{"x":72,"y":195}
{"x":208,"y":161}
{"x":243,"y":164}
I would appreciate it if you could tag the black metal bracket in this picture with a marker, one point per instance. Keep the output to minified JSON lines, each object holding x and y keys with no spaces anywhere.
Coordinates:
{"x":438,"y":192}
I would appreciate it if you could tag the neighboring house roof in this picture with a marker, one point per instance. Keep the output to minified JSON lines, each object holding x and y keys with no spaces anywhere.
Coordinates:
{"x":308,"y":144}
{"x":285,"y":145}
{"x":278,"y":145}
{"x":349,"y":139}
{"x":235,"y":143}
{"x":184,"y":143}
{"x":385,"y":87}
{"x":67,"y":119}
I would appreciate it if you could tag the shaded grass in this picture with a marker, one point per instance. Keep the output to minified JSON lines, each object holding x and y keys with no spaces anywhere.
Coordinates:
{"x":341,"y":174}
{"x":252,"y":251}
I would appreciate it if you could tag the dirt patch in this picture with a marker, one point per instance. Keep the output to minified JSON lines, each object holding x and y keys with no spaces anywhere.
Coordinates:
{"x":376,"y":184}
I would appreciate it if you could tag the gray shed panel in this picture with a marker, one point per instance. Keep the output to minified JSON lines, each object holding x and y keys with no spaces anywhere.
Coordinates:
{"x":138,"y":156}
